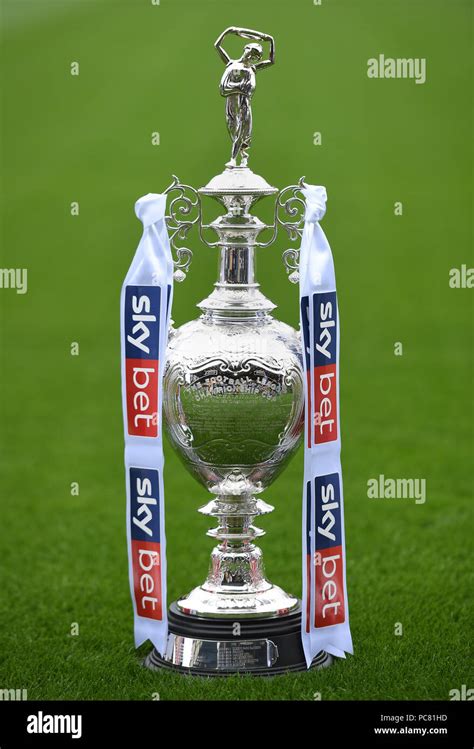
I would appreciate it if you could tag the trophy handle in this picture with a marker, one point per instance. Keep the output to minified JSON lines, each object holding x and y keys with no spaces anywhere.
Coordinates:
{"x":290,"y":204}
{"x":184,"y":211}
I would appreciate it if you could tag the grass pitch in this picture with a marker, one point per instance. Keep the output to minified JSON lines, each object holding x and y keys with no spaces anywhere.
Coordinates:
{"x":88,"y":138}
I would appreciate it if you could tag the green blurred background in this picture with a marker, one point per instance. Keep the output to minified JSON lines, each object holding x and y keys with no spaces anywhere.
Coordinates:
{"x":147,"y":68}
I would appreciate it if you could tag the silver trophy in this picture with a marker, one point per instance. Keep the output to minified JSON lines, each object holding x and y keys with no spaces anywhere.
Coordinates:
{"x":233,"y":402}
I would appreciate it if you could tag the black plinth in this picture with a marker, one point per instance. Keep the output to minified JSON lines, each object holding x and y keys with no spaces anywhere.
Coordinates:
{"x":221,"y":647}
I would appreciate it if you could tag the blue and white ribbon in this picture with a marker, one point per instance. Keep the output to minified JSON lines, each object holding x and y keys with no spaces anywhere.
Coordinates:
{"x":145,"y":315}
{"x":325,"y":616}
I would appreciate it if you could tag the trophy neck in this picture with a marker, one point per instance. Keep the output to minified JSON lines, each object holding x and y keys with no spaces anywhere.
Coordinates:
{"x":237,"y":266}
{"x":237,"y":292}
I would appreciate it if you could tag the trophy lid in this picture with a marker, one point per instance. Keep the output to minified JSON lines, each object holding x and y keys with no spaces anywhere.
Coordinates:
{"x":238,"y":180}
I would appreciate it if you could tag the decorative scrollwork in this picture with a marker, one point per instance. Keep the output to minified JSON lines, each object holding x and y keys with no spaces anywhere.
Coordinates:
{"x":291,"y":203}
{"x":184,"y":211}
{"x":291,"y":261}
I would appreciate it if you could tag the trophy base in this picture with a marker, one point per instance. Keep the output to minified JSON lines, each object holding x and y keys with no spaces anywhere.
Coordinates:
{"x":215,"y":647}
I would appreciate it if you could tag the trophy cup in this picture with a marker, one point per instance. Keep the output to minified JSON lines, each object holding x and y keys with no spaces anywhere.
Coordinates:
{"x":233,"y":402}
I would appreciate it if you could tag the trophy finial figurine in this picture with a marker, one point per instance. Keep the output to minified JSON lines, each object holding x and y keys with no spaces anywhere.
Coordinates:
{"x":238,"y":85}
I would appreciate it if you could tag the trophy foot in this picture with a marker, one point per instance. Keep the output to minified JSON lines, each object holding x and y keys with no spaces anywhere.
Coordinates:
{"x":244,"y":601}
{"x":216,"y":647}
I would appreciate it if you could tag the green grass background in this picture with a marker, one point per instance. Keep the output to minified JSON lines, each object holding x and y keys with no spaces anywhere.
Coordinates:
{"x":146,"y":68}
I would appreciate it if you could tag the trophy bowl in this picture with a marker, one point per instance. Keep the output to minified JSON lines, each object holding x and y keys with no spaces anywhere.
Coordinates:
{"x":234,"y":403}
{"x":233,"y":400}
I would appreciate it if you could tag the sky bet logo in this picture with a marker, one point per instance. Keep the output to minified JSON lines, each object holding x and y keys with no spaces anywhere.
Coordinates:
{"x":329,"y":577}
{"x":142,"y":326}
{"x":325,"y":372}
{"x":145,"y":539}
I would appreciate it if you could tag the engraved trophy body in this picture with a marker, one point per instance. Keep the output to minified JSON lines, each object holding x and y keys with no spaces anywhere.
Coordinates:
{"x":233,"y":403}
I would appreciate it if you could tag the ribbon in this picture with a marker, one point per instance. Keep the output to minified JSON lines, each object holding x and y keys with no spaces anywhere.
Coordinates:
{"x":145,"y":306}
{"x":325,"y":615}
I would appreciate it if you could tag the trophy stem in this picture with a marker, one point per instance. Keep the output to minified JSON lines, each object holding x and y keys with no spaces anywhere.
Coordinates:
{"x":236,"y":584}
{"x":236,"y":563}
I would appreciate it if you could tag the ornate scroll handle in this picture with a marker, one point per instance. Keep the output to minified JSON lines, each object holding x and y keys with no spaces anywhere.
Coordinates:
{"x":185,"y":203}
{"x":289,"y":214}
{"x":291,"y":204}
